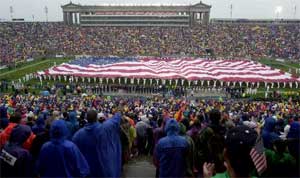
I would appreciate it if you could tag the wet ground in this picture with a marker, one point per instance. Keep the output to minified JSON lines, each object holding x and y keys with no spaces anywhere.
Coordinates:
{"x":139,"y":167}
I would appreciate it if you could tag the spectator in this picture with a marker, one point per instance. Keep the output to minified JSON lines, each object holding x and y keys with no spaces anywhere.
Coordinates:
{"x":15,"y":161}
{"x":142,"y":135}
{"x":171,"y":152}
{"x":29,"y":40}
{"x":100,"y":144}
{"x":210,"y":143}
{"x":293,"y":139}
{"x":60,"y":157}
{"x":238,"y":144}
{"x":280,"y":162}
{"x":4,"y":136}
{"x":3,"y":117}
{"x":39,"y":125}
{"x":268,"y":134}
{"x":191,"y":150}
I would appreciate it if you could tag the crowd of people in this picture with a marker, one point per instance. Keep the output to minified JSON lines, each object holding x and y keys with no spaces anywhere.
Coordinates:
{"x":95,"y":136}
{"x":20,"y":41}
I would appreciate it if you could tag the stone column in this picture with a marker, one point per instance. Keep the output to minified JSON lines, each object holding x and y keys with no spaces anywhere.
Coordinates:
{"x":70,"y":18}
{"x":206,"y":18}
{"x":191,"y":18}
{"x":194,"y":18}
{"x":76,"y":20}
{"x":201,"y":17}
{"x":65,"y":18}
{"x":79,"y":18}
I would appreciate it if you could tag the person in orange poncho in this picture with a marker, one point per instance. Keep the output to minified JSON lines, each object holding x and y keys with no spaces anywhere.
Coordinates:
{"x":5,"y":135}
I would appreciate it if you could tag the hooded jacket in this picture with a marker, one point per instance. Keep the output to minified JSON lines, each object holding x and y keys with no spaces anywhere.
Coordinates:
{"x":60,"y":157}
{"x":100,"y":144}
{"x":3,"y":117}
{"x":16,"y":161}
{"x":39,"y":125}
{"x":294,"y":131}
{"x":268,"y":134}
{"x":72,"y":124}
{"x":171,"y":152}
{"x":293,"y":141}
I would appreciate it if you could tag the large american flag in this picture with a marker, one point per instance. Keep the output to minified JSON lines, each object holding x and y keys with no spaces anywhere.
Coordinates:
{"x":171,"y":68}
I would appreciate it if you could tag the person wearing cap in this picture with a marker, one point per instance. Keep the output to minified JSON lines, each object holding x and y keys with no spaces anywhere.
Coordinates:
{"x":101,"y":117}
{"x":101,"y":145}
{"x":171,"y":152}
{"x":30,"y":119}
{"x":60,"y":157}
{"x":238,"y":144}
{"x":15,"y":161}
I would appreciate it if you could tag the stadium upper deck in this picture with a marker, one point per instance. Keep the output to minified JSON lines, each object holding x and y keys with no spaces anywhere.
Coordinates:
{"x":183,"y":16}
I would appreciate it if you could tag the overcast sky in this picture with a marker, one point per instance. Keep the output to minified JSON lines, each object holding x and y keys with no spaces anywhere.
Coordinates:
{"x":220,"y":8}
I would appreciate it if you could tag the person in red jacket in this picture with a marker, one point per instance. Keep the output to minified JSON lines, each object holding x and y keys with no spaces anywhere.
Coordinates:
{"x":14,"y":120}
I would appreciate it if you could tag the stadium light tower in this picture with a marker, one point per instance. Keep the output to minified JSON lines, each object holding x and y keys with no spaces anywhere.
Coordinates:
{"x":278,"y":11}
{"x":11,"y":10}
{"x":294,"y":8}
{"x":295,"y":11}
{"x":46,"y":12}
{"x":231,"y":8}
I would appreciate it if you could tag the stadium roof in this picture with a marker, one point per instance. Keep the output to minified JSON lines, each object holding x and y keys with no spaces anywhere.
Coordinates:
{"x":198,"y":5}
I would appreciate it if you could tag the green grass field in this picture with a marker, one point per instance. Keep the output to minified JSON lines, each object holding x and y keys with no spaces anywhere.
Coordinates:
{"x":286,"y":66}
{"x":34,"y":66}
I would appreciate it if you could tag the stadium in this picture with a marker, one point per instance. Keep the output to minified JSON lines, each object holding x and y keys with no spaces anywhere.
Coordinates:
{"x":149,"y":91}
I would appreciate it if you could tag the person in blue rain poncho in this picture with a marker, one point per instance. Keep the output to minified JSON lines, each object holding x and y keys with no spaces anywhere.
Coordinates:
{"x":39,"y":125}
{"x":268,"y":133}
{"x":100,"y":144}
{"x":72,"y":124}
{"x":171,"y":152}
{"x":60,"y":157}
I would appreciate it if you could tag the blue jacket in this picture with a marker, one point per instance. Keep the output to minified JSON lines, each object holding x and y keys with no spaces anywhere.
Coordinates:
{"x":39,"y":125}
{"x":268,"y":133}
{"x":101,"y":146}
{"x":3,"y":111}
{"x":60,"y":157}
{"x":171,"y":152}
{"x":16,"y":161}
{"x":72,"y":124}
{"x":3,"y":117}
{"x":294,"y":131}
